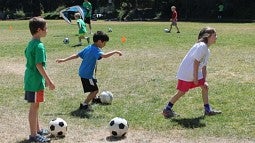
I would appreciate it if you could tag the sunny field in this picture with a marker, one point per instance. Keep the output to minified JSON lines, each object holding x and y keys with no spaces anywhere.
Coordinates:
{"x":142,"y":81}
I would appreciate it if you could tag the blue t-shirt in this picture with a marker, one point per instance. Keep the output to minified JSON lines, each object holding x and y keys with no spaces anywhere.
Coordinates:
{"x":89,"y":56}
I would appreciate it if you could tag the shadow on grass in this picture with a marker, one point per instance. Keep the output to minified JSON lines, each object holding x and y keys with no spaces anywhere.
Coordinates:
{"x":190,"y":122}
{"x":115,"y":139}
{"x":81,"y":113}
{"x":52,"y":138}
{"x":23,"y":141}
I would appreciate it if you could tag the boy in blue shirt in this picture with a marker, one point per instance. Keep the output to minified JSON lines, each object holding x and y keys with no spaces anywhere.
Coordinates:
{"x":89,"y":56}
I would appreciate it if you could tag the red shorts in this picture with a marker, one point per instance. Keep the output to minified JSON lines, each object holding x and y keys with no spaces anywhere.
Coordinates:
{"x":185,"y":86}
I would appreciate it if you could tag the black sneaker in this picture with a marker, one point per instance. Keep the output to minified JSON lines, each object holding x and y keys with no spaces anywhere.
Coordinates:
{"x":38,"y":138}
{"x":85,"y":107}
{"x":88,"y":39}
{"x":43,"y":132}
{"x":178,"y":32}
{"x":212,"y":112}
{"x":169,"y":113}
{"x":96,"y":100}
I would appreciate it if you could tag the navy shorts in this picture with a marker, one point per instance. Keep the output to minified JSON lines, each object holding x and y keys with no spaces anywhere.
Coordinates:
{"x":89,"y":85}
{"x":87,"y":20}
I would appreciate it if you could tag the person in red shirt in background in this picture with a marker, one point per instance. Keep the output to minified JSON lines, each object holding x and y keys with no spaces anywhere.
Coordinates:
{"x":174,"y":19}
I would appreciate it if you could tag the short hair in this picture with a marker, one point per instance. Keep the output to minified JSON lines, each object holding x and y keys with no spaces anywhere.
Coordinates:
{"x":100,"y":35}
{"x":35,"y":23}
{"x":173,"y":7}
{"x":77,"y":15}
{"x":205,"y":33}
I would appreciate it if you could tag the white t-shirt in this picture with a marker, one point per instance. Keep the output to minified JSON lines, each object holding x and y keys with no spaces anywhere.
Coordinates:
{"x":201,"y":53}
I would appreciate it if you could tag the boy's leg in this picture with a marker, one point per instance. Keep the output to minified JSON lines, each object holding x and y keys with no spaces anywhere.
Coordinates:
{"x":178,"y":31}
{"x":91,"y":96}
{"x":33,"y":118}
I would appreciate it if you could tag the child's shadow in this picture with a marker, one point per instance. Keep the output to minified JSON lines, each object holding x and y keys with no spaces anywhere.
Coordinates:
{"x":190,"y":122}
{"x":115,"y":139}
{"x":81,"y":113}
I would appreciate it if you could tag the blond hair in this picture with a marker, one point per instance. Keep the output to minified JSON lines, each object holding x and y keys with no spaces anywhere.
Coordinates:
{"x":78,"y":15}
{"x":173,"y":7}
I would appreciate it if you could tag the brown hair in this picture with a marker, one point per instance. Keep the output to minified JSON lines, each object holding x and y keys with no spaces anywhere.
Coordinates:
{"x":35,"y":23}
{"x":205,"y":33}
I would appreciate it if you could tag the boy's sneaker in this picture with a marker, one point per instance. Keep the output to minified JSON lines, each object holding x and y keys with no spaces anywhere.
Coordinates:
{"x":85,"y":107}
{"x":38,"y":138}
{"x":178,"y":32}
{"x":96,"y":100}
{"x":88,"y":39}
{"x":212,"y":112}
{"x":43,"y":132}
{"x":169,"y":113}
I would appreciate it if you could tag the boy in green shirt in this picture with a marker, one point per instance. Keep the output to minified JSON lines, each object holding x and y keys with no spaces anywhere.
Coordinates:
{"x":82,"y":28}
{"x":36,"y":78}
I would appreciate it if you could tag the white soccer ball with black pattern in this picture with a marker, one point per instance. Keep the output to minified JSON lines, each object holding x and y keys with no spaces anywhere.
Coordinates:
{"x":66,"y":41}
{"x":58,"y":127}
{"x":167,"y":30}
{"x":106,"y":97}
{"x":118,"y":127}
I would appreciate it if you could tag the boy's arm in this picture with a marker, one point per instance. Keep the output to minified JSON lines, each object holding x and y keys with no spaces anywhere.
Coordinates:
{"x":74,"y":56}
{"x":45,"y":75}
{"x":195,"y":72}
{"x":106,"y":55}
{"x":204,"y":71}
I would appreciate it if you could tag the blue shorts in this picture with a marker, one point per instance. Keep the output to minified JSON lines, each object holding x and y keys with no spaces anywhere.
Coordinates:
{"x":34,"y":97}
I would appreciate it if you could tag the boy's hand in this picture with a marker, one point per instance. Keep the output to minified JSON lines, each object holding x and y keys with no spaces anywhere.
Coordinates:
{"x":50,"y":85}
{"x":60,"y":60}
{"x":119,"y":53}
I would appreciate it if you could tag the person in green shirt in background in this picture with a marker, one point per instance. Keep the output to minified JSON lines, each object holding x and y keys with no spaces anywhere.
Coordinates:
{"x":82,"y":29}
{"x":87,"y":18}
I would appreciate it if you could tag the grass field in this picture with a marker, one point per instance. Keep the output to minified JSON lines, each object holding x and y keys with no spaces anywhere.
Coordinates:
{"x":142,"y":81}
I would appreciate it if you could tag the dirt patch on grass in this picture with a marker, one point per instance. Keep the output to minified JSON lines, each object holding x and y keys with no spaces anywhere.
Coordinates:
{"x":14,"y":128}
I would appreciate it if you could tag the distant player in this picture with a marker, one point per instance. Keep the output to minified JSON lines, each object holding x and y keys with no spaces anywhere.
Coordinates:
{"x":82,"y":28}
{"x":88,"y":7}
{"x":192,"y":72}
{"x":173,"y":19}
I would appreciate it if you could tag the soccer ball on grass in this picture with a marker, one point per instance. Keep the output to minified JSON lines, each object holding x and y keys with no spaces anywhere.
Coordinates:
{"x":118,"y":127}
{"x":66,"y":41}
{"x":106,"y":97}
{"x":58,"y":127}
{"x":167,"y":30}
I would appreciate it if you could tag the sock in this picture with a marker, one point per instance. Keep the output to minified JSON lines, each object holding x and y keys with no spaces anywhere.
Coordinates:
{"x":207,"y":107}
{"x":169,"y":106}
{"x":84,"y":104}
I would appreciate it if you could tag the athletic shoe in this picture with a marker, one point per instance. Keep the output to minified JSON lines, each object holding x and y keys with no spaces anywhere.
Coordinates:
{"x":96,"y":100}
{"x":88,"y":39}
{"x":43,"y":132}
{"x":38,"y":138}
{"x":85,"y":107}
{"x":212,"y":112}
{"x":178,"y":32}
{"x":169,"y":113}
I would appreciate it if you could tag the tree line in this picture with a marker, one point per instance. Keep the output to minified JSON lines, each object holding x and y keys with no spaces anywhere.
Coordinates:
{"x":134,"y":9}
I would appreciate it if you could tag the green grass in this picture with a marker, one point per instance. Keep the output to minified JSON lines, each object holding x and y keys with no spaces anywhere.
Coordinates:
{"x":143,"y":79}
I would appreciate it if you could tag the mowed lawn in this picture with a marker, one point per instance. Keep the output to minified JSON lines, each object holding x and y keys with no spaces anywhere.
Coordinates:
{"x":142,"y":80}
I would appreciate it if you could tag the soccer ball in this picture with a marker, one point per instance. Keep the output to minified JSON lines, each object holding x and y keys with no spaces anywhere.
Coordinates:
{"x":106,"y":97}
{"x":109,"y":29}
{"x":118,"y":127}
{"x":58,"y":127}
{"x":167,"y":30}
{"x":66,"y":41}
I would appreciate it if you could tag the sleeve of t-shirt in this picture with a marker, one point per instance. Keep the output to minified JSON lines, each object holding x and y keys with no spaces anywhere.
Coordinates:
{"x":199,"y":53}
{"x":98,"y":55}
{"x":40,"y":56}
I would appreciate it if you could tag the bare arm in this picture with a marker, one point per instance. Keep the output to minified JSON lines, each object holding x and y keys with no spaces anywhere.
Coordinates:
{"x":195,"y":72}
{"x":45,"y":75}
{"x":74,"y":56}
{"x":204,"y":71}
{"x":106,"y":55}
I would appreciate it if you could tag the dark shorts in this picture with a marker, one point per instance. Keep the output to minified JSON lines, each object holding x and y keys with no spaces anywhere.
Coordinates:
{"x":89,"y":85}
{"x":185,"y":86}
{"x":174,"y":23}
{"x":87,"y":20}
{"x":34,"y":97}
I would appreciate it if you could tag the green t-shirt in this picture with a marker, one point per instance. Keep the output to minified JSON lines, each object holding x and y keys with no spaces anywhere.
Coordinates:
{"x":88,"y":7}
{"x":82,"y":26}
{"x":34,"y":53}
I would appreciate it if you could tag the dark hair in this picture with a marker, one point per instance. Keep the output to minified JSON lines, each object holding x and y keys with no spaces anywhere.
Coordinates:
{"x":100,"y":35}
{"x":205,"y":33}
{"x":35,"y":23}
